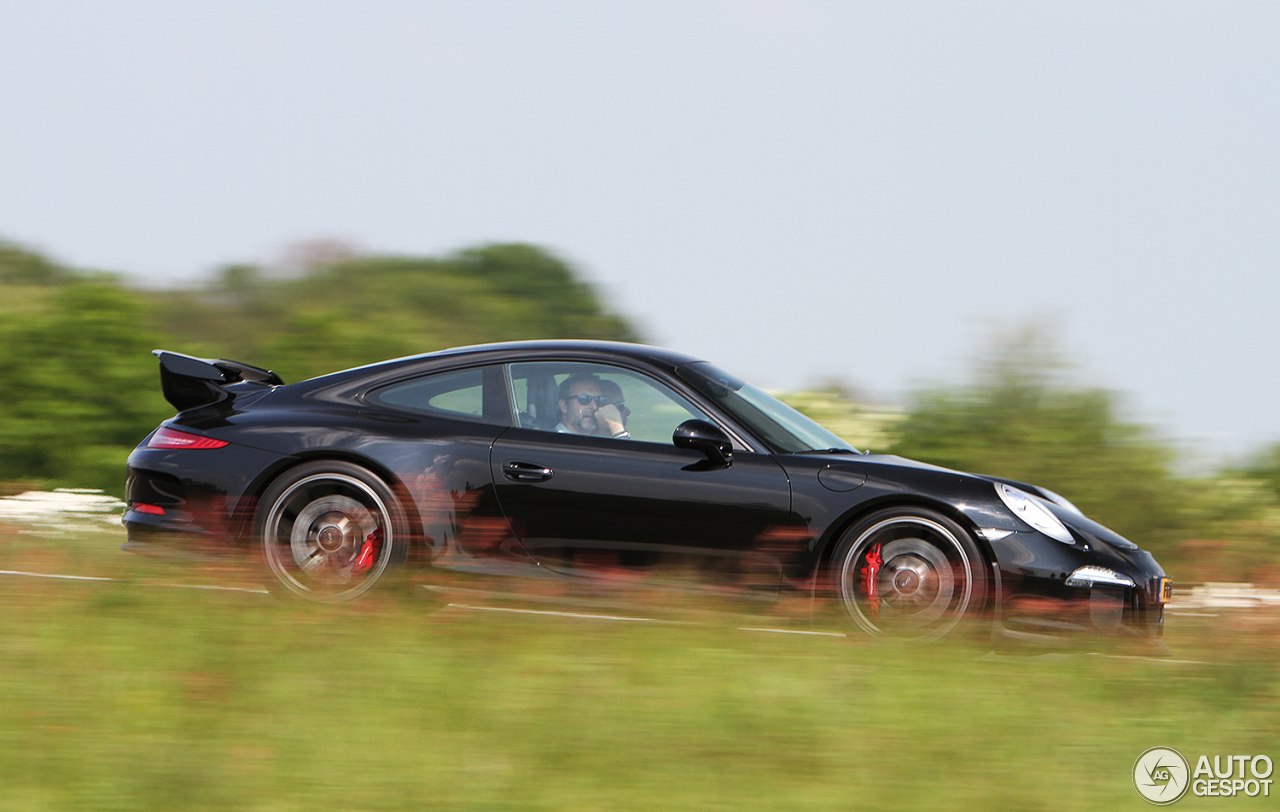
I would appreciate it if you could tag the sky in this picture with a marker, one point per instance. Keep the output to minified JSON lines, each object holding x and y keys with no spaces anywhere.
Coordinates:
{"x":869,"y":193}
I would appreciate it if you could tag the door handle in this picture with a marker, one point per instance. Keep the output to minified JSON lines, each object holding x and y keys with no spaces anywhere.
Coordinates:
{"x":526,"y":471}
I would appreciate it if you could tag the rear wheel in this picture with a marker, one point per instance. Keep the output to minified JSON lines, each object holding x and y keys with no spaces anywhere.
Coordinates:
{"x":331,"y":531}
{"x":909,"y":574}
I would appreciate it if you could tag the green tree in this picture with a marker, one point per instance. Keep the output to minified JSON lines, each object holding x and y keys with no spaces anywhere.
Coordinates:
{"x":564,"y":307}
{"x":1265,"y":467}
{"x":18,"y":266}
{"x":80,"y":389}
{"x":346,"y":310}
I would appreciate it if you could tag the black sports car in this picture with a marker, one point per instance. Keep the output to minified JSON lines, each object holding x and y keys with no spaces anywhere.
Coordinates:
{"x":601,"y":465}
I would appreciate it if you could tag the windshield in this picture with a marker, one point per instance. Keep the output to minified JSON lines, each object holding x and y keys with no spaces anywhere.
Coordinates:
{"x":782,"y":427}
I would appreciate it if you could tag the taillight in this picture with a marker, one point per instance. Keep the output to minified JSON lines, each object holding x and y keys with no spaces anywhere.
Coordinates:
{"x":168,"y":438}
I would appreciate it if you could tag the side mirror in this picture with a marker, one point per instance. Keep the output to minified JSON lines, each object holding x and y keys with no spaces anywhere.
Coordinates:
{"x":699,"y":435}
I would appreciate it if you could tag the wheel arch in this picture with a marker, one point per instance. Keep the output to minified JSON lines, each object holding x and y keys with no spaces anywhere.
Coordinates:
{"x":287,"y":464}
{"x":830,"y":540}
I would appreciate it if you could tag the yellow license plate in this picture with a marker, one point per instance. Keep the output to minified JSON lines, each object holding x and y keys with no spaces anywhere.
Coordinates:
{"x":1166,"y":590}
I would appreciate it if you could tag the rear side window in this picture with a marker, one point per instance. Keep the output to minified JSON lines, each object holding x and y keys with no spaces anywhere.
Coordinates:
{"x":478,"y":394}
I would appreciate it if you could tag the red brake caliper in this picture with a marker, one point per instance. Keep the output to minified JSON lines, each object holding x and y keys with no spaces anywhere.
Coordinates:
{"x":870,"y":575}
{"x":368,"y":553}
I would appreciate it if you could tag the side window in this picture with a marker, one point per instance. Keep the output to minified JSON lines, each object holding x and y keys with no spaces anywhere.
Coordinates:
{"x":596,"y":400}
{"x":466,"y":394}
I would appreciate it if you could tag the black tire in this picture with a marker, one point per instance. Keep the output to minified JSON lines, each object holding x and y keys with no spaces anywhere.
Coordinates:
{"x":930,"y":577}
{"x":317,"y":519}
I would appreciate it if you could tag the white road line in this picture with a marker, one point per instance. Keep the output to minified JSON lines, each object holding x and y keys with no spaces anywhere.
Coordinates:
{"x":562,"y":614}
{"x":258,"y":591}
{"x":791,"y":631}
{"x":1160,"y":660}
{"x":586,"y":616}
{"x":51,"y":575}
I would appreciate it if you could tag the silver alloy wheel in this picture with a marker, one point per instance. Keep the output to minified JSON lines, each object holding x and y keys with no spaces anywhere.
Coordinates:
{"x":315,"y":530}
{"x":924,"y":583}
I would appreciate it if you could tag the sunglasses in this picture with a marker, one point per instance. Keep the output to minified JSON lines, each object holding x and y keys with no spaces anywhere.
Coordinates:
{"x":600,"y":400}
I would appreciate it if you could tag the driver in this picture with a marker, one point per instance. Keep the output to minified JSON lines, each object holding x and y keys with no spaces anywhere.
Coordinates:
{"x":584,"y":408}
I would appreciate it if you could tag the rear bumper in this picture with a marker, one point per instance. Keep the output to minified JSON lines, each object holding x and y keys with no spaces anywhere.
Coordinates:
{"x":193,"y":494}
{"x":160,"y":506}
{"x":176,"y":536}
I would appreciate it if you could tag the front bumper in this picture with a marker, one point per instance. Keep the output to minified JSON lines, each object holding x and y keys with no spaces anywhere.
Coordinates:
{"x":1048,"y":592}
{"x":1051,"y":613}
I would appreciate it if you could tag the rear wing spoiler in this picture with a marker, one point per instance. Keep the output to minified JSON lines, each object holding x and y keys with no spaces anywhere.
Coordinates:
{"x":188,"y":382}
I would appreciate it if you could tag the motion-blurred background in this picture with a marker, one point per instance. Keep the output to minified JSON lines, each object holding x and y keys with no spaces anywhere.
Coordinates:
{"x":1028,"y":240}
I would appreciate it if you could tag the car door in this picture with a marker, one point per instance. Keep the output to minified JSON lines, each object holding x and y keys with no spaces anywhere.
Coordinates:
{"x":610,"y":507}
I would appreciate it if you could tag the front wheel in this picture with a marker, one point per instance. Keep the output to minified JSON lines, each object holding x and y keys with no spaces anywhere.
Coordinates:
{"x":909,"y":574}
{"x":330,"y":531}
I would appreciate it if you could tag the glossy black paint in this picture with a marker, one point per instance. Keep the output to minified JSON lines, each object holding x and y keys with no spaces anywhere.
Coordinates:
{"x":485,"y":495}
{"x":665,"y":510}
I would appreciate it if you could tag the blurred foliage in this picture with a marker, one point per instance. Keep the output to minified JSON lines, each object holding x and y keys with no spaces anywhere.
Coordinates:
{"x":80,"y":387}
{"x":1240,"y":532}
{"x":341,"y":310}
{"x":1265,"y":468}
{"x":1236,"y":533}
{"x":872,"y":428}
{"x":19,"y":266}
{"x":79,"y":392}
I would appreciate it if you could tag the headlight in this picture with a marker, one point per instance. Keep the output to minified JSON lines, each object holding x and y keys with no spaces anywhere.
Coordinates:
{"x":1028,"y":508}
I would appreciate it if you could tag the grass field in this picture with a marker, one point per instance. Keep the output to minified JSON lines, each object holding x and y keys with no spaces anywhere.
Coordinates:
{"x":128,"y":694}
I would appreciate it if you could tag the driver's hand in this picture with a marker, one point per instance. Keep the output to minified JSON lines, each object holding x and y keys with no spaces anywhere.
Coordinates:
{"x":609,"y":421}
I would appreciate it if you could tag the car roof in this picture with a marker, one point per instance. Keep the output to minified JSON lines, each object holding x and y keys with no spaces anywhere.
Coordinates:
{"x":510,"y":351}
{"x":607,"y":348}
